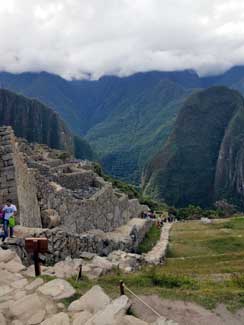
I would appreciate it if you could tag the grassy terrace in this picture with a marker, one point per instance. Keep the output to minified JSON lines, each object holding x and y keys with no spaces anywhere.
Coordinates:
{"x":205,"y":264}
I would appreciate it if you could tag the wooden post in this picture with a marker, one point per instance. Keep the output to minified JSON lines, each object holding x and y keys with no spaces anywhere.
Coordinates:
{"x":79,"y":276}
{"x":122,"y":288}
{"x":36,"y":258}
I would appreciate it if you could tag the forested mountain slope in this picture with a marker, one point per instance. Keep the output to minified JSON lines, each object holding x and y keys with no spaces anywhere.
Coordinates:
{"x":202,"y":160}
{"x":127,"y":119}
{"x":35,"y":122}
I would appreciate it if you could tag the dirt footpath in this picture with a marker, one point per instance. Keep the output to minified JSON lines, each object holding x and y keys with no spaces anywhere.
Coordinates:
{"x":186,"y":313}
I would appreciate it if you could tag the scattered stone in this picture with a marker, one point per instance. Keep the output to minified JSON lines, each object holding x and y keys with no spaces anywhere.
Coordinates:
{"x":24,"y":308}
{"x":111,"y":313}
{"x":5,"y":289}
{"x":6,"y":255}
{"x":81,"y":318}
{"x":58,"y":319}
{"x":57,"y":289}
{"x":34,"y":285}
{"x":14,"y":267}
{"x":93,"y":300}
{"x":36,"y":318}
{"x":126,"y":262}
{"x":68,"y":268}
{"x":60,"y":305}
{"x":19,"y":284}
{"x":102,"y":263}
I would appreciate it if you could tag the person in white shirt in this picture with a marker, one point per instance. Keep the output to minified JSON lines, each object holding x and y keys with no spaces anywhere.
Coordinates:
{"x":9,"y":211}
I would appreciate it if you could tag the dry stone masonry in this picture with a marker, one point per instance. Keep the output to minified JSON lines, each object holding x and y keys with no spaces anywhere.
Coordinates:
{"x":17,"y":181}
{"x":67,"y":202}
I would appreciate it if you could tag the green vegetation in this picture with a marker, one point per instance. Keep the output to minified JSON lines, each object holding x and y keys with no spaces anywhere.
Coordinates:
{"x":136,"y":128}
{"x":36,"y":122}
{"x":150,"y":239}
{"x":188,"y":169}
{"x":195,"y":270}
{"x":131,"y":190}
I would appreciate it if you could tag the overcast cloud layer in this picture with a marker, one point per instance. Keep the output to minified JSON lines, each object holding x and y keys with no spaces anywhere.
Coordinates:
{"x":77,"y":38}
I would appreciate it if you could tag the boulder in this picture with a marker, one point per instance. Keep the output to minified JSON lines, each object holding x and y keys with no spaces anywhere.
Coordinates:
{"x":111,"y":313}
{"x":9,"y":277}
{"x":14,"y":266}
{"x":24,"y":308}
{"x":6,"y":255}
{"x":81,"y":318}
{"x":19,"y":284}
{"x":50,"y":218}
{"x":58,"y":319}
{"x":126,"y":262}
{"x":102,"y":263}
{"x":68,"y":268}
{"x":37,"y":318}
{"x":57,"y":289}
{"x":5,"y":290}
{"x":93,"y":300}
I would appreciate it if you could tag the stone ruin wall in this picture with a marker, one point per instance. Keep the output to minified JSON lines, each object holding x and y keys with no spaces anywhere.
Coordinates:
{"x":33,"y":191}
{"x":63,"y":243}
{"x":17,"y":182}
{"x":105,"y":210}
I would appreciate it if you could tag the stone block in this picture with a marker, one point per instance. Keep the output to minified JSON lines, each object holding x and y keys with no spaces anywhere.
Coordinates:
{"x":93,"y":300}
{"x":7,"y":156}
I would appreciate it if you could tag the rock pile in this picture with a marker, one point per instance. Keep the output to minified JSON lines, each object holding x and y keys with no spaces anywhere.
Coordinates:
{"x":28,"y":301}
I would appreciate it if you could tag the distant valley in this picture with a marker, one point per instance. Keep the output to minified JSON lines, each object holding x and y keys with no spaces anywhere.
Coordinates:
{"x":127,"y":121}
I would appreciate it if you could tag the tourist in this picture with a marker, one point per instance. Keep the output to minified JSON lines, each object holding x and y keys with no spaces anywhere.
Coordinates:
{"x":9,"y":211}
{"x":1,"y":214}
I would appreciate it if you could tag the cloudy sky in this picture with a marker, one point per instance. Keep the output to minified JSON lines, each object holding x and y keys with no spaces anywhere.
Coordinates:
{"x":77,"y":38}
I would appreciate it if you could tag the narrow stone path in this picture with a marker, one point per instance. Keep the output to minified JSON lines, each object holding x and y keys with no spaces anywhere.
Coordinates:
{"x":157,"y":254}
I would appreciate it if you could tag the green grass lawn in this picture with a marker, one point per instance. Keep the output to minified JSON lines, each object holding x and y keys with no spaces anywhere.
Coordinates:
{"x":205,"y":264}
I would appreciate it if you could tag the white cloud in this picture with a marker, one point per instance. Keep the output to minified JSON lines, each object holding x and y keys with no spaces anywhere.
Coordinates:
{"x":74,"y":38}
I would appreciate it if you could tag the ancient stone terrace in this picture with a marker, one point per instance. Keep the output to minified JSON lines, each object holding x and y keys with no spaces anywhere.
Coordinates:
{"x":51,"y":191}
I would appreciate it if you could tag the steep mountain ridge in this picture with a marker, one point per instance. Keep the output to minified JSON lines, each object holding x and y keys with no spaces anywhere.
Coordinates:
{"x":204,"y":148}
{"x":35,"y":122}
{"x":126,"y":119}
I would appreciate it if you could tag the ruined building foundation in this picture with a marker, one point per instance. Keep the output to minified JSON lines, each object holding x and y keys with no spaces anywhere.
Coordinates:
{"x":83,"y":210}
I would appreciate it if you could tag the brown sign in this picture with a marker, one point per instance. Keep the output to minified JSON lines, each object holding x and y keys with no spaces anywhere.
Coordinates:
{"x":41,"y":243}
{"x":36,"y":245}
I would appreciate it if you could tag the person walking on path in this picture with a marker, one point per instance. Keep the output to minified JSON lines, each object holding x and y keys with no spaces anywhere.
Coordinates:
{"x":9,"y":211}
